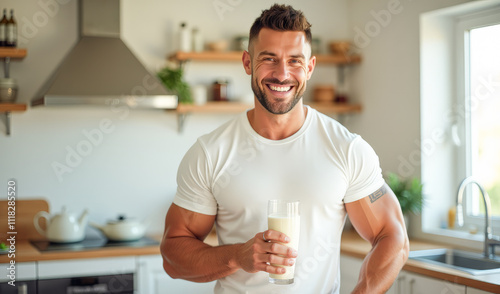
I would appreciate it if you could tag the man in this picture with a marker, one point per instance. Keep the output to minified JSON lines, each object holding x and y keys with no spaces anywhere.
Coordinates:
{"x":281,"y":149}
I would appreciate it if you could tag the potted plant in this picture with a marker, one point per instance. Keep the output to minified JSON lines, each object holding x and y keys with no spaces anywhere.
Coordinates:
{"x":172,"y":78}
{"x":408,"y":192}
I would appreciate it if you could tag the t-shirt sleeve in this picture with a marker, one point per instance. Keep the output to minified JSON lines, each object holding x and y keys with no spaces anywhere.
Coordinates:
{"x":193,"y":182}
{"x":365,"y":174}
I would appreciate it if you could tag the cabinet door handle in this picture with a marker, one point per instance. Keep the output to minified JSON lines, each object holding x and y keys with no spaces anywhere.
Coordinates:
{"x":22,"y":289}
{"x":412,"y":281}
{"x":400,"y":284}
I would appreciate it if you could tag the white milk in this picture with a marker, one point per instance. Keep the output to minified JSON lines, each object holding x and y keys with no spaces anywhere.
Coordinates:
{"x":290,"y":226}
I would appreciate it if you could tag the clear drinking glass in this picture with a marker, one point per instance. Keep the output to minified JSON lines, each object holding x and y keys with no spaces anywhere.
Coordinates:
{"x":284,"y":216}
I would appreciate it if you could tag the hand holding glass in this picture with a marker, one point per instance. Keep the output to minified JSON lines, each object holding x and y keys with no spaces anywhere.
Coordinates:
{"x":283,"y":216}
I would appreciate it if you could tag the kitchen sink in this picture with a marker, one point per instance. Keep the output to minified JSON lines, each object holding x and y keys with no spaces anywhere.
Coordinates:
{"x":472,"y":263}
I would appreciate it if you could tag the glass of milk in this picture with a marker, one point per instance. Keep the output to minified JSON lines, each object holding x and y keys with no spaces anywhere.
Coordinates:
{"x":283,"y":216}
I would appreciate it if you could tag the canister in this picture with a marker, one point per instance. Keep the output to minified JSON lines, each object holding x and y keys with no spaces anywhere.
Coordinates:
{"x":8,"y":90}
{"x":199,"y":93}
{"x":220,"y":90}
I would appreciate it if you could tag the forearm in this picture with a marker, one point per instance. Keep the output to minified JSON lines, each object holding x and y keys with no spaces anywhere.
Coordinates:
{"x":191,"y":259}
{"x":382,"y":264}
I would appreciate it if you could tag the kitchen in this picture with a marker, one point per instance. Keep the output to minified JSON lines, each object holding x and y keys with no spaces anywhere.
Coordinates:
{"x":132,"y":170}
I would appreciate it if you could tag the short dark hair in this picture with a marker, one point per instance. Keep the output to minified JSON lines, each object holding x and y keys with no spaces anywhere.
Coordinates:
{"x":282,"y":18}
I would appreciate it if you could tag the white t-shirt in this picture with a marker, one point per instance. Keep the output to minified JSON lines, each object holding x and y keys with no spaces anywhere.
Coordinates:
{"x":232,"y":172}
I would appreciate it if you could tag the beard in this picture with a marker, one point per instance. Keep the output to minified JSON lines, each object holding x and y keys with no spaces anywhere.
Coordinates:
{"x":280,"y":107}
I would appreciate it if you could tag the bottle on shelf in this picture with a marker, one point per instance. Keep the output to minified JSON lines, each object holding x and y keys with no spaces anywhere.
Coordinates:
{"x":220,"y":90}
{"x":11,"y":31}
{"x":184,"y":38}
{"x":341,"y":95}
{"x":197,"y":40}
{"x":3,"y":28}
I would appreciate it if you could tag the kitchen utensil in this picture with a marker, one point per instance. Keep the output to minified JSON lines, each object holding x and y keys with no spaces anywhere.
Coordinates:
{"x":122,"y":229}
{"x":64,"y":227}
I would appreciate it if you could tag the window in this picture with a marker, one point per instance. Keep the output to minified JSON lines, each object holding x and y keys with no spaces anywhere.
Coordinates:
{"x":479,"y":34}
{"x":484,"y":79}
{"x":460,"y":117}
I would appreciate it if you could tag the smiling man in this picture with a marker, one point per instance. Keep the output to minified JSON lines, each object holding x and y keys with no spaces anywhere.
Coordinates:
{"x":282,"y":65}
{"x":281,"y":149}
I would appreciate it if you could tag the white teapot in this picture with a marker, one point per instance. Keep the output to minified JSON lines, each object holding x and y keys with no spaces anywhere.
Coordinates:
{"x":123,"y":229}
{"x":64,"y":227}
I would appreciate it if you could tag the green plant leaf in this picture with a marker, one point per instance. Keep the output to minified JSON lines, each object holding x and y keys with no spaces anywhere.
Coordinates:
{"x":172,"y":78}
{"x":408,"y":192}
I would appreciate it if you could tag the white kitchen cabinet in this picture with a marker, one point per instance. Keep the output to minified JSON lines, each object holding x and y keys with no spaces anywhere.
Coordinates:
{"x":25,"y":278}
{"x":152,"y":279}
{"x":405,"y":283}
{"x":477,"y":291}
{"x":410,"y":283}
{"x":119,"y":273}
{"x":25,"y":271}
{"x":349,"y":274}
{"x":86,"y":267}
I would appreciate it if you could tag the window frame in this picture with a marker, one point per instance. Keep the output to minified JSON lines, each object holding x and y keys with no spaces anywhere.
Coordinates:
{"x":464,"y":24}
{"x":440,"y":132}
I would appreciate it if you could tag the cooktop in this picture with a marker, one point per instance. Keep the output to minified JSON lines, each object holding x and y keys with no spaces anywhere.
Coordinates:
{"x":91,"y":242}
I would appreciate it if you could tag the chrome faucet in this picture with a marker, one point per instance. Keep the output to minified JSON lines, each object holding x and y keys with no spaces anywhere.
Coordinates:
{"x":490,"y":241}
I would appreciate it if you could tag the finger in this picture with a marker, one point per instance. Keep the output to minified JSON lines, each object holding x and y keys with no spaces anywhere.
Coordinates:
{"x":272,"y":235}
{"x":263,"y":258}
{"x":265,"y":267}
{"x":264,"y":236}
{"x":279,"y":260}
{"x":277,"y":248}
{"x":274,"y":269}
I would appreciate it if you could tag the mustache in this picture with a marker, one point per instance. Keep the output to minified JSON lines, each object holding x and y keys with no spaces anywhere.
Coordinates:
{"x":276,"y":81}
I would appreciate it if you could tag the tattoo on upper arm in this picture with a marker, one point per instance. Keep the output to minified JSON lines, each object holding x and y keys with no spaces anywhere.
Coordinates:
{"x":377,"y":194}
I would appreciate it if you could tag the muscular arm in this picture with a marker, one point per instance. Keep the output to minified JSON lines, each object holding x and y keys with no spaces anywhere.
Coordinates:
{"x":378,"y":219}
{"x":186,"y":256}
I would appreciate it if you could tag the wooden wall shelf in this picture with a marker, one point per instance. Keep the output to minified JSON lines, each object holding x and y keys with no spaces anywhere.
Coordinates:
{"x":213,"y":107}
{"x":207,"y":56}
{"x":12,"y":52}
{"x":7,"y":53}
{"x":236,"y":56}
{"x":7,"y":108}
{"x":183,"y":110}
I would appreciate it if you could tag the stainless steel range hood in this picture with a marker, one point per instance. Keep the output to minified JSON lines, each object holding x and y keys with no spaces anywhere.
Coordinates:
{"x":101,"y":69}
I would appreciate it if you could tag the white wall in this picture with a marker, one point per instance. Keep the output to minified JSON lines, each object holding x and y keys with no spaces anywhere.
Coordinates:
{"x":388,"y":81}
{"x":150,"y":29}
{"x":133,"y":169}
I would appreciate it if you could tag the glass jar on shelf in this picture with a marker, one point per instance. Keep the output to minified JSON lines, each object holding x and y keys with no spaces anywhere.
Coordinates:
{"x":220,"y":88}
